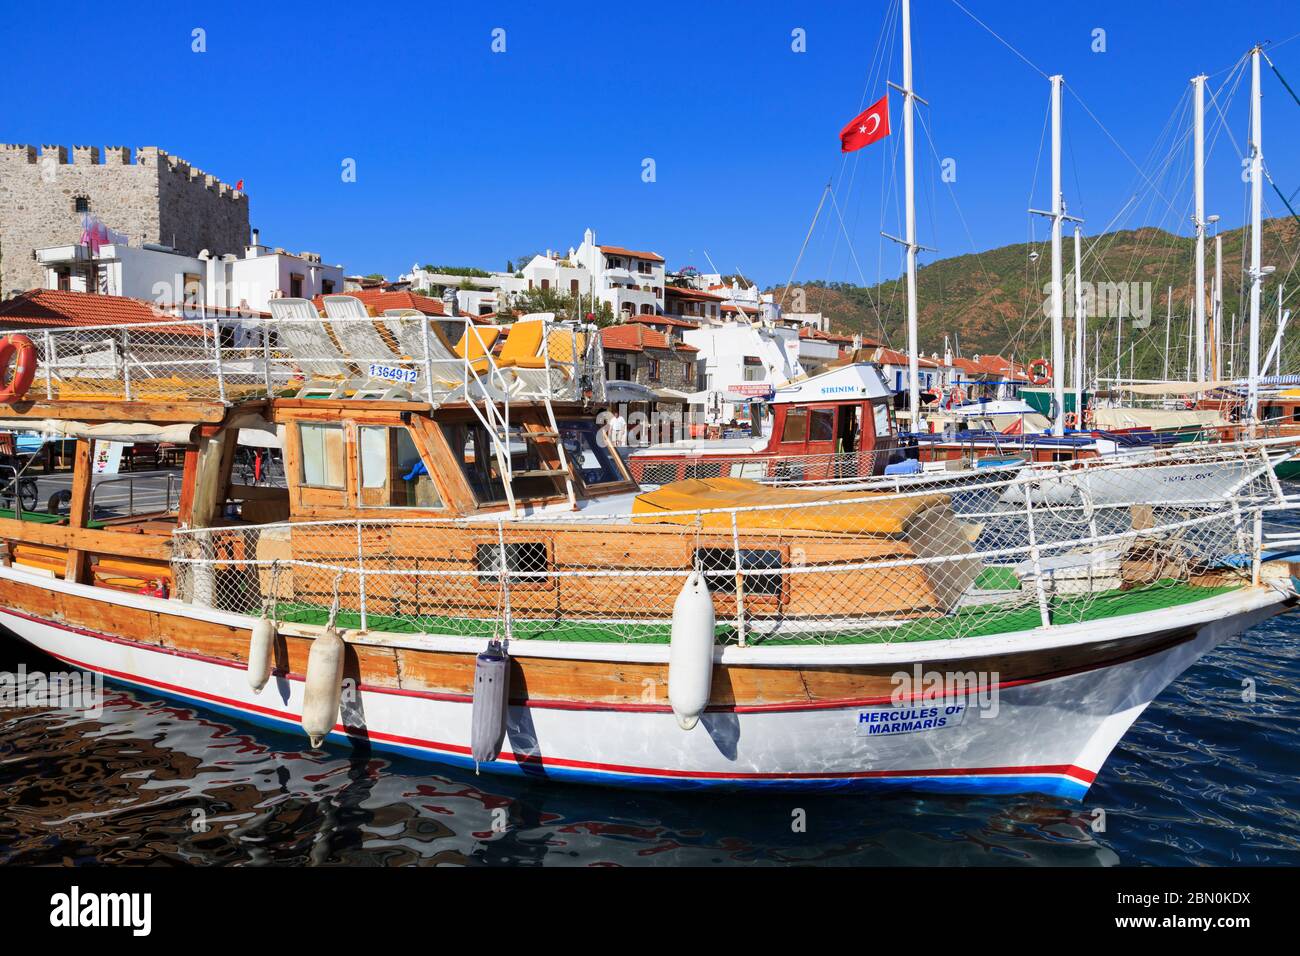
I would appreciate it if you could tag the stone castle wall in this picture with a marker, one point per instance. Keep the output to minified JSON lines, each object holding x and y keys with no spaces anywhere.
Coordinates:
{"x":155,"y":198}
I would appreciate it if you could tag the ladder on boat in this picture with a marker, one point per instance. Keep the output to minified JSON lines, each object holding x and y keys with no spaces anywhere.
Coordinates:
{"x":494,"y":416}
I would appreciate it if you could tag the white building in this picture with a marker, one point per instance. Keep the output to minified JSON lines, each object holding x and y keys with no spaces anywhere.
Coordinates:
{"x":631,"y":282}
{"x":895,"y":370}
{"x":739,"y":300}
{"x":156,"y":273}
{"x":742,"y":361}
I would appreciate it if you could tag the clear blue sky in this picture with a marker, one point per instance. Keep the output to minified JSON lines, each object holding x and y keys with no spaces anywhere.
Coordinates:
{"x":468,"y":157}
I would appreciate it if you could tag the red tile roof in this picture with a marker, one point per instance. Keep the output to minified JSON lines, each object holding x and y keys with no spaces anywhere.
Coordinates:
{"x":379,"y":300}
{"x":635,"y":337}
{"x":664,"y":320}
{"x":887,"y":356}
{"x":54,"y":308}
{"x":808,"y":332}
{"x":994,"y":365}
{"x":620,"y":251}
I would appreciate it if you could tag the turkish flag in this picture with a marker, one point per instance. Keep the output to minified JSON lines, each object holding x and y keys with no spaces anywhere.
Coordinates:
{"x":867,"y":127}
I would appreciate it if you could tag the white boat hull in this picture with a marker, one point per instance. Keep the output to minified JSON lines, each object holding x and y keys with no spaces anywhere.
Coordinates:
{"x":1049,"y":735}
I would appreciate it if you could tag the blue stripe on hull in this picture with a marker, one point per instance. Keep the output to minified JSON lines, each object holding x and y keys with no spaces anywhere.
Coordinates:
{"x":1056,"y":785}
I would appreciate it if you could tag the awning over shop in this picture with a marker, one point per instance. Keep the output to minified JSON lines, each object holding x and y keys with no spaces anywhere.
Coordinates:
{"x":672,"y":395}
{"x":253,"y":430}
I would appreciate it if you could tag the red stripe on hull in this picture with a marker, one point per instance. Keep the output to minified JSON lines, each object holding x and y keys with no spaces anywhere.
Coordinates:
{"x":525,"y":760}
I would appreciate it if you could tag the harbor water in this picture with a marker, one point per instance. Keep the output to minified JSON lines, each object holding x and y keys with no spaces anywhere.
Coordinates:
{"x":1207,"y":776}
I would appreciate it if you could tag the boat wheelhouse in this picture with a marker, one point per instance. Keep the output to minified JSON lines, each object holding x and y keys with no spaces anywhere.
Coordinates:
{"x":837,"y":423}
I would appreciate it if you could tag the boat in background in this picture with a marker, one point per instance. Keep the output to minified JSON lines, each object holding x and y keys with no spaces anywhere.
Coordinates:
{"x":838,"y":423}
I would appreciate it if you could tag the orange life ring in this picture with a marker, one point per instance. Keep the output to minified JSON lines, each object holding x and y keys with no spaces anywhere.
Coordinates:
{"x":956,"y":397}
{"x":1043,"y":377}
{"x":1071,"y":420}
{"x":18,"y":350}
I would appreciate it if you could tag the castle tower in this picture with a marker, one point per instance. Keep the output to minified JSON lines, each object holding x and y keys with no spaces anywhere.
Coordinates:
{"x":151,"y":197}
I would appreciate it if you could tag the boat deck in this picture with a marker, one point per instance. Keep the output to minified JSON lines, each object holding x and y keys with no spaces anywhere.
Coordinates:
{"x":978,"y":621}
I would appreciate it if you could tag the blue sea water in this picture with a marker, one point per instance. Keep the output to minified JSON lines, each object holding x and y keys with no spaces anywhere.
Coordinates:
{"x":1203,"y":778}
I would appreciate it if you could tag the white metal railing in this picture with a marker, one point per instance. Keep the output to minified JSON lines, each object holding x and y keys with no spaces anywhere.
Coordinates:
{"x":211,"y":358}
{"x":650,"y":468}
{"x":170,"y":490}
{"x":1054,"y":542}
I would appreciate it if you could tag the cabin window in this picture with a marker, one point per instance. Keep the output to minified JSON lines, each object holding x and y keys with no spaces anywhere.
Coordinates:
{"x":322,"y":455}
{"x":393,"y":475}
{"x":796,"y":426}
{"x":751,"y":560}
{"x":821,"y":425}
{"x":884,"y":424}
{"x":526,"y":562}
{"x":592,"y":458}
{"x":483,"y":472}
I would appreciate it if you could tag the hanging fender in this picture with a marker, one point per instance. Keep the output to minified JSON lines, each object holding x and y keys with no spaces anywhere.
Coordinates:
{"x":19,"y":351}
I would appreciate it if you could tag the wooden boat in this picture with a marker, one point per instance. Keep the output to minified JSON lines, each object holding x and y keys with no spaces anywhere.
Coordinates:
{"x":992,"y":636}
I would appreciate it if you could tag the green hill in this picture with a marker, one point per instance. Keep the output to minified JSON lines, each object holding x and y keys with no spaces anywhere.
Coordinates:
{"x":994,"y":301}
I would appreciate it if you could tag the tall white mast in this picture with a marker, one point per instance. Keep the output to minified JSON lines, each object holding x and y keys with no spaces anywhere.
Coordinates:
{"x":1256,"y":214}
{"x":1218,"y":305}
{"x":913,"y":345}
{"x":1198,"y":220}
{"x":1058,"y":297}
{"x":1080,"y":325}
{"x":1057,"y":215}
{"x":909,"y":240}
{"x":1169,"y":318}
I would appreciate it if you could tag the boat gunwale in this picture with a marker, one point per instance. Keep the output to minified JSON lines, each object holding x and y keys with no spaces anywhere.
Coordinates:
{"x":1244,"y":599}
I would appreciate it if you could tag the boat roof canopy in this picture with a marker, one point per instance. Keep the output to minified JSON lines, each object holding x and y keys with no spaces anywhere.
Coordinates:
{"x":1174,"y":388}
{"x":857,"y":382}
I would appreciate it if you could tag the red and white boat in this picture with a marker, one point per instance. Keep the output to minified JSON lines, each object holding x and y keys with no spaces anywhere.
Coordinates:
{"x":836,"y":424}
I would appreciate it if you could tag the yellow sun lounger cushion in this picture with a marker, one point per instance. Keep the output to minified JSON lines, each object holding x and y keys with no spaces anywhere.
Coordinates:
{"x":523,"y":343}
{"x":888,"y":517}
{"x":475,"y":344}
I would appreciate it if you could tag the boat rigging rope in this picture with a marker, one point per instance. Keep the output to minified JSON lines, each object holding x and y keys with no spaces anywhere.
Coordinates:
{"x":334,"y":605}
{"x":798,"y":259}
{"x":1033,"y":66}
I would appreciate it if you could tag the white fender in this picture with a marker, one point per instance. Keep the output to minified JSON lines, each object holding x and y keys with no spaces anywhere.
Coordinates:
{"x":260,"y":646}
{"x":323,"y":686}
{"x":690,"y":653}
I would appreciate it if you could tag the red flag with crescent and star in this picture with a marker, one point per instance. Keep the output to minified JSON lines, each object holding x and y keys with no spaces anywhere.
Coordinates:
{"x":867,"y":127}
